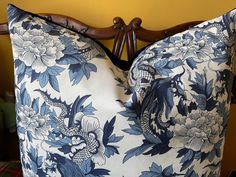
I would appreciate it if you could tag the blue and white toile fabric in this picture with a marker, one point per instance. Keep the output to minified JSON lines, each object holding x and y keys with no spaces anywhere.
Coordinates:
{"x":80,"y":115}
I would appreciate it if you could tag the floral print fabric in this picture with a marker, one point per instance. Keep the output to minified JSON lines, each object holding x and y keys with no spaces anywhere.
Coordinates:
{"x":80,"y":115}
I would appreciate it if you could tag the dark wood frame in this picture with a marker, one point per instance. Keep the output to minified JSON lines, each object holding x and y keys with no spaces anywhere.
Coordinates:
{"x":121,"y":33}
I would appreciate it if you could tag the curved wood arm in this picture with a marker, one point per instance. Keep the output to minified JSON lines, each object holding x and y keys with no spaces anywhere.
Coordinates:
{"x":121,"y":33}
{"x":76,"y":25}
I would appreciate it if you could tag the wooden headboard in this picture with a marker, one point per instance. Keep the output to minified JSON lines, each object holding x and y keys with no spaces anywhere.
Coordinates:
{"x":122,"y":34}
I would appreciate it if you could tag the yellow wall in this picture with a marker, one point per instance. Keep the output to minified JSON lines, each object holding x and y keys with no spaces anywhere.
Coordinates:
{"x":156,"y":14}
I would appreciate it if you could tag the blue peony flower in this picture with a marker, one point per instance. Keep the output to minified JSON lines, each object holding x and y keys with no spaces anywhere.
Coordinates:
{"x":33,"y":122}
{"x":198,"y":131}
{"x":36,"y":48}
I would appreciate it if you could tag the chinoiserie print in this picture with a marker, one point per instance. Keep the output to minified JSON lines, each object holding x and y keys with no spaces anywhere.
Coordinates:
{"x":80,"y":115}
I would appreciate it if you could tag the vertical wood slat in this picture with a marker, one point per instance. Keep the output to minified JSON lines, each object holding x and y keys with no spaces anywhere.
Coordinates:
{"x":3,"y":28}
{"x":119,"y":39}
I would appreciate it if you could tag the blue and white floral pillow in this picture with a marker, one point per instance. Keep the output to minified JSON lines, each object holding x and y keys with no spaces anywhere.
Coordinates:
{"x":80,"y":115}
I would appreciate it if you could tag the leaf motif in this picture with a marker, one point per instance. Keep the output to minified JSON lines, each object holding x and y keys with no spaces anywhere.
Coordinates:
{"x":34,"y":76}
{"x":115,"y":139}
{"x":192,"y":106}
{"x":33,"y":154}
{"x":128,"y":113}
{"x":44,"y":109}
{"x":30,"y":136}
{"x":160,"y":63}
{"x":68,"y":60}
{"x":66,"y":149}
{"x":28,"y":71}
{"x":188,"y":36}
{"x":169,"y":100}
{"x":35,"y":105}
{"x":46,"y":28}
{"x":54,"y":82}
{"x":186,"y":165}
{"x":221,"y":109}
{"x":66,"y":40}
{"x":55,"y":70}
{"x":59,"y":143}
{"x":187,"y":156}
{"x":211,"y":104}
{"x":107,"y":130}
{"x":17,"y":62}
{"x":198,"y":34}
{"x":165,"y":72}
{"x":86,"y":70}
{"x":201,"y":101}
{"x":182,"y":108}
{"x":21,"y":130}
{"x":216,"y":152}
{"x":26,"y":100}
{"x":100,"y":172}
{"x":70,"y":49}
{"x":155,"y":171}
{"x":150,"y":174}
{"x":22,"y":89}
{"x":220,"y":60}
{"x":181,"y":152}
{"x":133,"y":130}
{"x":20,"y":77}
{"x":110,"y":151}
{"x":211,"y":155}
{"x":40,"y":160}
{"x":156,"y":168}
{"x":78,"y":104}
{"x":153,"y":139}
{"x":76,"y":73}
{"x":86,"y":166}
{"x":200,"y":80}
{"x":33,"y":166}
{"x":69,"y":168}
{"x":191,"y":63}
{"x":135,"y":151}
{"x":203,"y":156}
{"x":21,"y":68}
{"x":191,"y":173}
{"x":168,"y":171}
{"x":209,"y":88}
{"x":89,"y":109}
{"x":174,"y":63}
{"x":91,"y":175}
{"x":43,"y":79}
{"x":92,"y":67}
